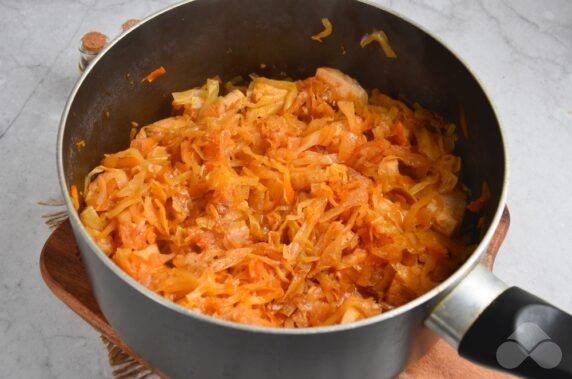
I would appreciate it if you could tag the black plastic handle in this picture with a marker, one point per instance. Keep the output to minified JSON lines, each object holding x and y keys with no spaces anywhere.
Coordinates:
{"x":522,"y":335}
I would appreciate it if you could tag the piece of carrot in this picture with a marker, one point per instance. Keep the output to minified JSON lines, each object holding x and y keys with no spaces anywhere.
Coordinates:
{"x":477,"y":204}
{"x":155,"y":74}
{"x":74,"y":197}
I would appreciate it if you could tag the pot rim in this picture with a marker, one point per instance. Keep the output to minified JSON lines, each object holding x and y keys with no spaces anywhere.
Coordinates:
{"x":440,"y":289}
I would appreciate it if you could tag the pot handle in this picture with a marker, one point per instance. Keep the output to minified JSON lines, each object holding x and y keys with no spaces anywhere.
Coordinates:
{"x":504,"y":328}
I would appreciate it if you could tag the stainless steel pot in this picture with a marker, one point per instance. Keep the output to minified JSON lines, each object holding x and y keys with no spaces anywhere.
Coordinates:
{"x":202,"y":38}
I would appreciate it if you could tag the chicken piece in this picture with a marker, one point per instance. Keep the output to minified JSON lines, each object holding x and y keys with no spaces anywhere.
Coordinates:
{"x":448,"y":219}
{"x":344,"y":86}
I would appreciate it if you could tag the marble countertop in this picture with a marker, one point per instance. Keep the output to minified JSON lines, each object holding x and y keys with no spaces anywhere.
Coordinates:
{"x":520,"y":49}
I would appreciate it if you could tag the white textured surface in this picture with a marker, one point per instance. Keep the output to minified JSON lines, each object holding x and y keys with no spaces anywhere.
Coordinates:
{"x":520,"y":49}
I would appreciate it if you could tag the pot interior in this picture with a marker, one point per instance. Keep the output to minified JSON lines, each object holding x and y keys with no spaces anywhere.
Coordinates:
{"x":205,"y":38}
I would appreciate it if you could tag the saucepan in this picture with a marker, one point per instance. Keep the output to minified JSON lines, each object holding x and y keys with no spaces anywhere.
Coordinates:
{"x":489,"y":322}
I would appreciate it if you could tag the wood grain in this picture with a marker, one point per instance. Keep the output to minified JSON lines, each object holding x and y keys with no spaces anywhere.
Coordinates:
{"x":65,"y":275}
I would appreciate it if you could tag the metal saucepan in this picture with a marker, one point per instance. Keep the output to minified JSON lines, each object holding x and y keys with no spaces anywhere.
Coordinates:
{"x":194,"y":40}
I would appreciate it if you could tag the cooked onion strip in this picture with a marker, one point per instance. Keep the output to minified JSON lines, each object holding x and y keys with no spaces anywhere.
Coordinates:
{"x":324,"y":33}
{"x":380,"y":37}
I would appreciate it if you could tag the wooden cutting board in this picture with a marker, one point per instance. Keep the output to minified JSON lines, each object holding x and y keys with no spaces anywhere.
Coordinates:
{"x":64,"y":273}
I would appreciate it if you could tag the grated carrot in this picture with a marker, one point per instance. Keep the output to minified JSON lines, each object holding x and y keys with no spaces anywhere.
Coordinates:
{"x":74,"y":197}
{"x":477,"y":204}
{"x":155,"y":74}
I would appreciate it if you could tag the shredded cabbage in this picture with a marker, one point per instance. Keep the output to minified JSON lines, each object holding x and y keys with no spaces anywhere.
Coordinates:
{"x":285,"y":204}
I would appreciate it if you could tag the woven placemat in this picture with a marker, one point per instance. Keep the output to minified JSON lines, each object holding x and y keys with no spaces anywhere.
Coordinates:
{"x":123,"y":365}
